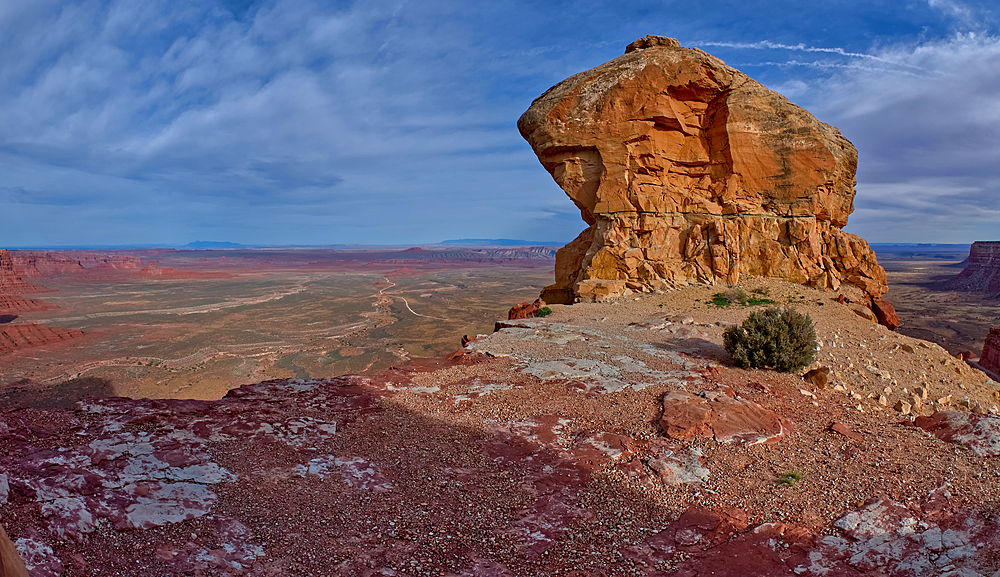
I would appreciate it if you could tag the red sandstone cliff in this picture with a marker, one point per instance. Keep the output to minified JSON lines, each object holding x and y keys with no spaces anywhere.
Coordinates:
{"x":10,"y":282}
{"x":982,"y":271}
{"x":990,"y":359}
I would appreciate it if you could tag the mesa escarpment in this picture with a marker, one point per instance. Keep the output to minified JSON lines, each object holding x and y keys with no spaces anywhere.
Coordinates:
{"x":688,"y":170}
{"x":990,"y":359}
{"x":15,"y":336}
{"x":10,"y":282}
{"x":982,"y":271}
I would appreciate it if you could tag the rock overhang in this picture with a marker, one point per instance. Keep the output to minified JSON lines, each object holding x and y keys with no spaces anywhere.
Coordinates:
{"x":686,"y":169}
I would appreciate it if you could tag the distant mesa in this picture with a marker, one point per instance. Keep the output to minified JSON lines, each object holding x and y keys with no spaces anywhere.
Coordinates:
{"x":982,"y":269}
{"x":213,"y":244}
{"x":10,"y":282}
{"x":15,"y":336}
{"x":687,"y":170}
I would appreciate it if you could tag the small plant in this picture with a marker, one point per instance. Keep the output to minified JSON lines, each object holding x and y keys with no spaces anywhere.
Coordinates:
{"x":731,"y":296}
{"x":544,"y":311}
{"x":790,"y":478}
{"x":784,"y":340}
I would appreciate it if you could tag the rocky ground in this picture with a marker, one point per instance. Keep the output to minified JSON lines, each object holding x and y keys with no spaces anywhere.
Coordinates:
{"x":603,"y":439}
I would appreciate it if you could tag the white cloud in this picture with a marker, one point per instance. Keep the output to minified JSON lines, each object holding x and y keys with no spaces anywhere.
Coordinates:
{"x":927,"y":143}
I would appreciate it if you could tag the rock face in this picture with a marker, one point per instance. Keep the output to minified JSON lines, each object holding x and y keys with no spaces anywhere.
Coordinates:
{"x":990,"y":359}
{"x":32,"y":335}
{"x":982,"y":273}
{"x":688,"y":170}
{"x":16,"y":304}
{"x":10,"y":282}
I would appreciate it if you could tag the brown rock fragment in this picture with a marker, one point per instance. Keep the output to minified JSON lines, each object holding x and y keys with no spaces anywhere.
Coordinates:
{"x":719,"y":415}
{"x":845,"y":431}
{"x":885,"y":313}
{"x":819,"y":377}
{"x":863,"y":312}
{"x":11,"y":564}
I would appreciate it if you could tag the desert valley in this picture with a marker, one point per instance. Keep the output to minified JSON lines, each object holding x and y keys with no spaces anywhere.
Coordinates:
{"x":373,"y":412}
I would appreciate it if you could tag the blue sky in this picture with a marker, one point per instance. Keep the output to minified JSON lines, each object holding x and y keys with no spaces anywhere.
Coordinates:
{"x":389,"y":122}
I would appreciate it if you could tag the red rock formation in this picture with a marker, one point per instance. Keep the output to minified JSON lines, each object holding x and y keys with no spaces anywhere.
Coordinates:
{"x":16,"y":304}
{"x":982,"y":271}
{"x":35,"y":264}
{"x":686,"y":169}
{"x":990,"y":359}
{"x":717,"y":414}
{"x":885,"y":313}
{"x":981,"y":433}
{"x":32,"y":335}
{"x":10,"y":282}
{"x":525,"y":310}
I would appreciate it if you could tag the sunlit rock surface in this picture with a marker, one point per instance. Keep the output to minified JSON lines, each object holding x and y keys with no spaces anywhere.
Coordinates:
{"x":685,"y":169}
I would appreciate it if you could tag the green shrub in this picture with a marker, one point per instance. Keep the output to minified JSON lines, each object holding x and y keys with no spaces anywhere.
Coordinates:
{"x":784,"y":340}
{"x":544,"y":311}
{"x":731,"y":296}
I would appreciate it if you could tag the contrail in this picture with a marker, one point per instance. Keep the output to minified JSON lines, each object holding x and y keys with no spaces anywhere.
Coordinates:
{"x":767,"y":44}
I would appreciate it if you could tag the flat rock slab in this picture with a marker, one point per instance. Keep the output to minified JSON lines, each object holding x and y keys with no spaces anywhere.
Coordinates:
{"x":719,"y":415}
{"x":981,"y":433}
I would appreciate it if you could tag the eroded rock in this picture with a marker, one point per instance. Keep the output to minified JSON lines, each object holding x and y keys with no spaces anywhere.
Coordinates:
{"x":981,"y":433}
{"x":717,"y":414}
{"x":687,"y":170}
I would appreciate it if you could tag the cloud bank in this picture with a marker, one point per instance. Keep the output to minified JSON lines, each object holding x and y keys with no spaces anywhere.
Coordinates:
{"x":308,"y":122}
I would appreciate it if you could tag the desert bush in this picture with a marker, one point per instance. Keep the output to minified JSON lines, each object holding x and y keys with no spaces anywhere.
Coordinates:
{"x":544,"y":311}
{"x":784,"y":340}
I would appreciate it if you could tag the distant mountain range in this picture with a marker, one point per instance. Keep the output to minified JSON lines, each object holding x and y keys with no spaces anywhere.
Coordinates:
{"x":213,"y":244}
{"x":502,"y":242}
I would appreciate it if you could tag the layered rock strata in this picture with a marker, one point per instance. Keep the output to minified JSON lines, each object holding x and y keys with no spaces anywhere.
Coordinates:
{"x":990,"y":359}
{"x":16,"y":304}
{"x":32,"y":335}
{"x":982,"y":271}
{"x":10,"y":282}
{"x":688,"y":170}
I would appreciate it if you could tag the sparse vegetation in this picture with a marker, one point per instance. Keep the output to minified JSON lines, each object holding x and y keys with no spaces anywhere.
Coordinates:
{"x":738,"y":296}
{"x":790,"y":478}
{"x":731,"y":296}
{"x":544,"y":311}
{"x":784,"y":340}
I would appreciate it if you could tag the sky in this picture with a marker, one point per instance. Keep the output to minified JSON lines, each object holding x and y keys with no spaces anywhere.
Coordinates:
{"x":299,"y":122}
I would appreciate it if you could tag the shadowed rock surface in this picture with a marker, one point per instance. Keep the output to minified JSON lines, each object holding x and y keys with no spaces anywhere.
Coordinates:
{"x":990,"y":359}
{"x":687,"y":170}
{"x":982,"y":269}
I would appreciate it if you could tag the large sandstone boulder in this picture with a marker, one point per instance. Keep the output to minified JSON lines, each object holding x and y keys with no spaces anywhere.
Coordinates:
{"x":688,"y":170}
